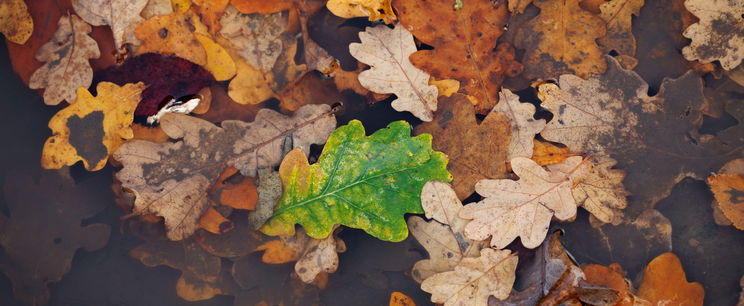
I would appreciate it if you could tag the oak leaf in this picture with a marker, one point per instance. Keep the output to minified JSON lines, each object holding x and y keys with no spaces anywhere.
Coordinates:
{"x":66,"y":57}
{"x":463,"y":42}
{"x":524,"y":126}
{"x":518,"y":6}
{"x":386,"y":51}
{"x":219,"y":62}
{"x":618,"y":15}
{"x":241,"y":241}
{"x":210,"y":12}
{"x":612,"y":116}
{"x":474,"y":280}
{"x":15,"y":21}
{"x":561,"y":39}
{"x":172,"y":35}
{"x":172,"y":179}
{"x":375,"y":9}
{"x":524,"y":208}
{"x":729,"y":192}
{"x":269,"y":191}
{"x":719,"y":35}
{"x":400,"y":299}
{"x":442,"y":237}
{"x":664,"y":282}
{"x":476,"y":151}
{"x":546,"y":153}
{"x":313,"y":256}
{"x":157,"y":7}
{"x":612,"y":277}
{"x":46,"y":227}
{"x":121,"y":15}
{"x":359,"y":181}
{"x":92,"y":128}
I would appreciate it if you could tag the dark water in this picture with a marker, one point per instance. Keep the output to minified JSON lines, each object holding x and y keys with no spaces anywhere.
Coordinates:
{"x":371,"y":269}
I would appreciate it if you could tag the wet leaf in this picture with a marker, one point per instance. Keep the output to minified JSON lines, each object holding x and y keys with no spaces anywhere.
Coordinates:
{"x":375,"y":9}
{"x":310,"y":89}
{"x":313,"y":256}
{"x":524,"y":126}
{"x":121,"y":15}
{"x":400,"y":299}
{"x":219,"y":62}
{"x":45,"y":219}
{"x":618,"y":14}
{"x":210,"y":12}
{"x":171,"y":35}
{"x":386,"y":51}
{"x":474,"y":279}
{"x":172,"y":179}
{"x":214,"y":222}
{"x":241,"y":241}
{"x":664,"y":282}
{"x":562,"y":39}
{"x":234,"y":190}
{"x":15,"y":21}
{"x":359,"y":181}
{"x":269,"y":191}
{"x":92,"y":128}
{"x":611,"y":277}
{"x":66,"y":58}
{"x":463,"y":42}
{"x":165,"y":76}
{"x":260,"y":281}
{"x":476,"y":150}
{"x":729,"y":192}
{"x":719,"y":35}
{"x":524,"y":208}
{"x":611,"y":116}
{"x":546,"y":153}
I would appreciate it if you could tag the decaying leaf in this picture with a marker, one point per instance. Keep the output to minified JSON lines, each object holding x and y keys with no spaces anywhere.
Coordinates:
{"x":241,"y":241}
{"x":618,"y":15}
{"x":729,"y":192}
{"x":518,"y":6}
{"x":15,"y":21}
{"x":157,"y":7}
{"x":44,"y":229}
{"x":375,"y":9}
{"x":92,"y":128}
{"x":366,"y":182}
{"x":524,"y":126}
{"x":386,"y":51}
{"x":66,"y":57}
{"x":474,"y":280}
{"x":476,"y":151}
{"x":611,"y":116}
{"x":612,"y":277}
{"x":269,"y":191}
{"x":719,"y":35}
{"x":166,"y":77}
{"x":210,"y":12}
{"x":255,"y":37}
{"x":172,"y":35}
{"x":260,"y":282}
{"x":665,"y":283}
{"x":171,"y":179}
{"x":234,"y":190}
{"x":400,"y":299}
{"x":525,"y":207}
{"x":313,"y":256}
{"x":442,"y":238}
{"x":561,"y":39}
{"x":601,"y":191}
{"x":120,"y":15}
{"x":463,"y":42}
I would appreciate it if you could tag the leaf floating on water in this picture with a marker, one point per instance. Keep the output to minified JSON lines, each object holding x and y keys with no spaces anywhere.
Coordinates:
{"x":664,"y":282}
{"x":718,"y":35}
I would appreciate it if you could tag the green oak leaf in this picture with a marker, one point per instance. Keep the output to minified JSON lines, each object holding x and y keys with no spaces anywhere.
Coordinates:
{"x":365,"y":182}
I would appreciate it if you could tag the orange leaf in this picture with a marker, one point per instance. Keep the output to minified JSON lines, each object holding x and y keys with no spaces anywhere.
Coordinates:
{"x":400,"y":299}
{"x":546,"y":153}
{"x":665,"y":283}
{"x":278,"y":253}
{"x":170,"y":34}
{"x":729,"y":192}
{"x":212,"y":221}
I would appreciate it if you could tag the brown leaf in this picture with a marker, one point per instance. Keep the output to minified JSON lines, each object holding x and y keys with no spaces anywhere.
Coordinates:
{"x":269,"y":190}
{"x":241,"y":241}
{"x":463,"y":42}
{"x":120,"y":15}
{"x":386,"y":51}
{"x":561,"y":39}
{"x":45,"y":229}
{"x":719,"y":35}
{"x":173,"y":35}
{"x":525,"y":207}
{"x":311,"y":88}
{"x":171,"y":179}
{"x":210,"y":12}
{"x":476,"y":151}
{"x":665,"y":283}
{"x":618,"y":15}
{"x":66,"y":58}
{"x":611,"y":277}
{"x":729,"y":192}
{"x":474,"y":280}
{"x":15,"y":21}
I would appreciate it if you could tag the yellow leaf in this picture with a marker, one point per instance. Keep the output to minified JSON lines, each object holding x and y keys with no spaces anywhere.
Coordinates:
{"x":546,"y":153}
{"x":375,"y":9}
{"x":15,"y":21}
{"x":445,"y":87}
{"x":170,"y":34}
{"x":93,"y":127}
{"x":181,"y":6}
{"x":219,"y":62}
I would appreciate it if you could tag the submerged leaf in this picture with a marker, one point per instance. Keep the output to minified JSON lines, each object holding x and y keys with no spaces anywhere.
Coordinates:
{"x":365,"y":182}
{"x":664,"y":282}
{"x":719,"y":35}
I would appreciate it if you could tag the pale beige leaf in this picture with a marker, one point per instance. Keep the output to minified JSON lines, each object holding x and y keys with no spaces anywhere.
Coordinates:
{"x":719,"y":35}
{"x":601,"y":191}
{"x":121,"y":15}
{"x":441,"y":244}
{"x":66,"y":58}
{"x":318,"y":255}
{"x":524,"y":208}
{"x":156,"y":8}
{"x":524,"y":126}
{"x":474,"y":279}
{"x":440,"y":203}
{"x":255,"y":37}
{"x":386,"y":51}
{"x":171,"y":179}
